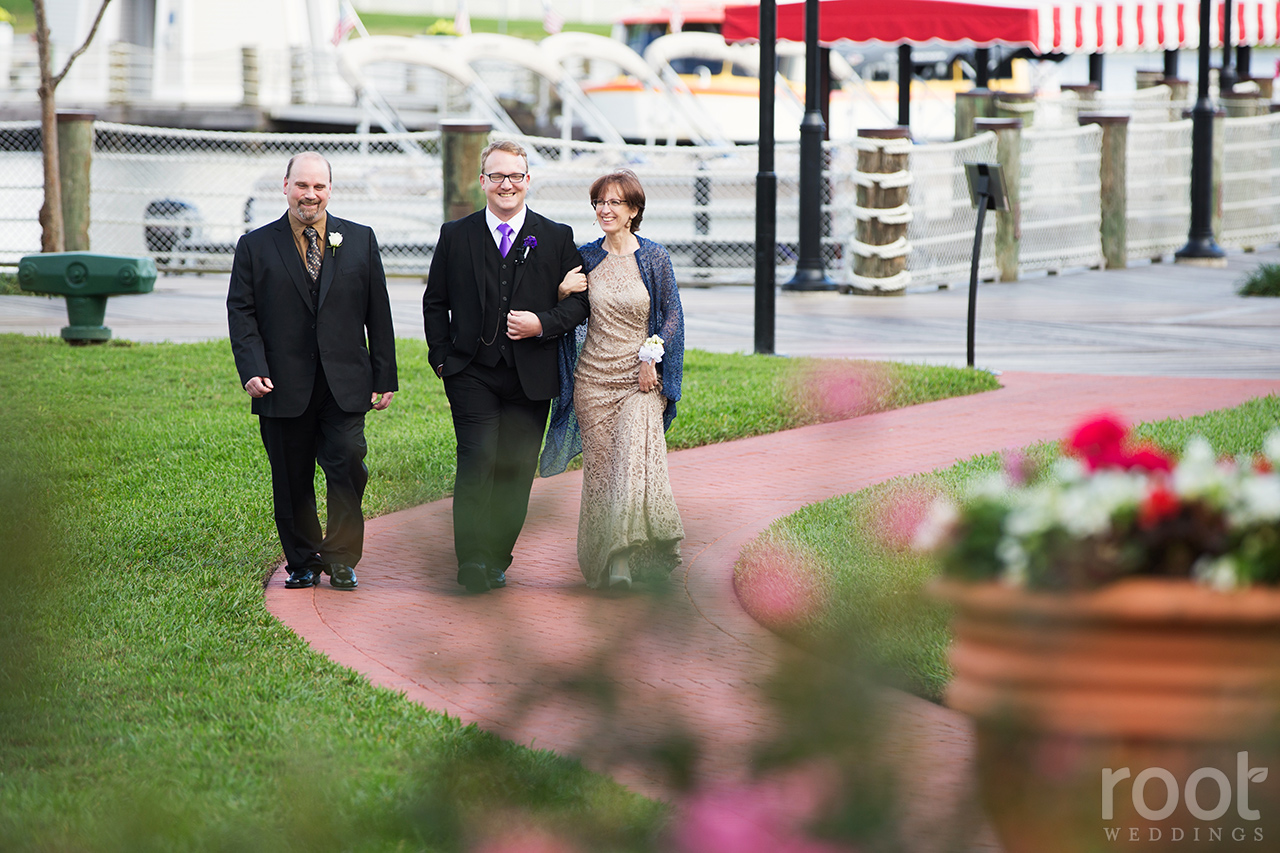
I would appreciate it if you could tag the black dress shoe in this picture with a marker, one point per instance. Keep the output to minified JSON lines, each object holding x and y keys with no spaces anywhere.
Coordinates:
{"x":341,"y":577}
{"x":497,"y":578}
{"x":302,"y":578}
{"x":474,"y":577}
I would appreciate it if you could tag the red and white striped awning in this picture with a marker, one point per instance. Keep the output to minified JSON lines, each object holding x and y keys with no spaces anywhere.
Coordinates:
{"x":1046,"y":27}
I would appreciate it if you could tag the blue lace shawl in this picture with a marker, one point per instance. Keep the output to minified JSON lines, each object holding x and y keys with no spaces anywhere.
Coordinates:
{"x":666,"y":319}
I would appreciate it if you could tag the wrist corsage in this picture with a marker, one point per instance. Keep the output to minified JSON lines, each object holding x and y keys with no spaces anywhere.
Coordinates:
{"x":651,"y":350}
{"x":335,"y":240}
{"x":530,"y":242}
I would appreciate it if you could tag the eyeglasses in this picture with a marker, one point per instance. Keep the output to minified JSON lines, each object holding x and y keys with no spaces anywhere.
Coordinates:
{"x":514,"y":177}
{"x":615,"y":203}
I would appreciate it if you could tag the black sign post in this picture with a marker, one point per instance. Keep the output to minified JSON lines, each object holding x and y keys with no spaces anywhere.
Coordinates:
{"x":986,"y":191}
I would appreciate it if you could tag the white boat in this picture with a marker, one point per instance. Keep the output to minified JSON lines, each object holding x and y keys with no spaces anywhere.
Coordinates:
{"x":720,"y":81}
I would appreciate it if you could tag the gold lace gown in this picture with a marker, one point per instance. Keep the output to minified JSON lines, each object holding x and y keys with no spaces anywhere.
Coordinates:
{"x":627,"y":503}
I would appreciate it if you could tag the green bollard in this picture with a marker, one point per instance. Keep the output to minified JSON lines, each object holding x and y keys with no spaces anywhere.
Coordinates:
{"x":85,"y":280}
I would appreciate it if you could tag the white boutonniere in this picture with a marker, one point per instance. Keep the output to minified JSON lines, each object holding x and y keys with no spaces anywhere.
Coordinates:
{"x":651,"y":350}
{"x":335,"y":240}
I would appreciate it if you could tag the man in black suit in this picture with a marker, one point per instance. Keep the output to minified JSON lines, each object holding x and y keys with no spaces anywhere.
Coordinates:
{"x":493,"y":316}
{"x":311,"y":333}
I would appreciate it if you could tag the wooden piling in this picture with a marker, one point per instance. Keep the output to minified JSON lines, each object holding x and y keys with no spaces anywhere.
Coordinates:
{"x":1008,"y":133}
{"x":1019,"y":105}
{"x":75,"y":159}
{"x":461,"y":142}
{"x":880,"y":238}
{"x":1114,"y":227}
{"x":250,"y":75}
{"x":976,"y":103}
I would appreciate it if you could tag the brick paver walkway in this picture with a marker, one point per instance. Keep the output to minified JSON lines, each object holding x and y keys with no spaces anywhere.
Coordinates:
{"x":508,"y":660}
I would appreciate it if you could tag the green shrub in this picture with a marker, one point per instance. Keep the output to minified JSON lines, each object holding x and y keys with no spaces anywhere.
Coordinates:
{"x":1262,"y":281}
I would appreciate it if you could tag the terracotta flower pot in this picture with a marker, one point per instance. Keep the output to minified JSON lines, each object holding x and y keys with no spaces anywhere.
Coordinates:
{"x":1140,"y":715}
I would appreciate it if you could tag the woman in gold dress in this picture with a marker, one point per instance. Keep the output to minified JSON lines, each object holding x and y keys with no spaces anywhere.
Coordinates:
{"x":619,"y":387}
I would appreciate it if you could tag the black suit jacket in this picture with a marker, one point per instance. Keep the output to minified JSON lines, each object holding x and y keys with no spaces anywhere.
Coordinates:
{"x":453,"y":305}
{"x":276,"y":333}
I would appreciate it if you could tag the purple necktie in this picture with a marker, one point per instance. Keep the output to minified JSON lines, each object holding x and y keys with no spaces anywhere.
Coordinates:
{"x":505,"y":245}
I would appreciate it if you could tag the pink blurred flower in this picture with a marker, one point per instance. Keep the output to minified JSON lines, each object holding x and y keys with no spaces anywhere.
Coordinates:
{"x":776,"y":585}
{"x":763,"y":817}
{"x":1018,"y":467}
{"x":834,"y":389}
{"x":525,"y":839}
{"x":898,"y":516}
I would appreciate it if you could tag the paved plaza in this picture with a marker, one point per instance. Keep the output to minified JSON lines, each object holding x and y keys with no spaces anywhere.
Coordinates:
{"x":1158,"y":319}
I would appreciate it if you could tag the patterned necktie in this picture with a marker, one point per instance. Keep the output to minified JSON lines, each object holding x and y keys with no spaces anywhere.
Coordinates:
{"x":313,"y":252}
{"x":505,"y":245}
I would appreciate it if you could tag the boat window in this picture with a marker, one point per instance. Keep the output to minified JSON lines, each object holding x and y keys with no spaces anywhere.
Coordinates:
{"x":691,"y":64}
{"x":640,"y":36}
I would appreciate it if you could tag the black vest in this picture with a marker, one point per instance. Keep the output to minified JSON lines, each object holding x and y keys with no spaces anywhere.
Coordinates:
{"x":499,"y":274}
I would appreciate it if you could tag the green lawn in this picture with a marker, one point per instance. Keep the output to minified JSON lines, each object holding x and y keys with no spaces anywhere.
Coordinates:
{"x":147,"y":699}
{"x":875,"y":613}
{"x":378,"y":23}
{"x":24,"y":19}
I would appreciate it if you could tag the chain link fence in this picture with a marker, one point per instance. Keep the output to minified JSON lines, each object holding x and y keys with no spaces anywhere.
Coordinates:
{"x":21,"y":190}
{"x":1250,"y":181}
{"x":1153,"y":105}
{"x":943,"y":216}
{"x":184,"y":197}
{"x":1158,"y":188}
{"x":1061,"y":199}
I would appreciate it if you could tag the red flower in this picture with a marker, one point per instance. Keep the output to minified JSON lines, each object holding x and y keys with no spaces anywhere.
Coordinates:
{"x":1150,"y":457}
{"x":1161,"y":503}
{"x":1100,"y":441}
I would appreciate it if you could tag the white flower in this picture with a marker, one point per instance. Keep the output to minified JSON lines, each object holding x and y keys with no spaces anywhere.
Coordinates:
{"x":1197,"y":474}
{"x":1014,"y":559}
{"x":1257,"y":500}
{"x":1271,"y":447}
{"x":1035,"y":512}
{"x":938,"y":525}
{"x":335,"y":240}
{"x":1219,"y":573}
{"x":989,"y":487}
{"x":651,"y":350}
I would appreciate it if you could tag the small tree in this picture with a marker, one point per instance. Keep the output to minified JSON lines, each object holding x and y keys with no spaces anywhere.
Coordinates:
{"x":52,"y":232}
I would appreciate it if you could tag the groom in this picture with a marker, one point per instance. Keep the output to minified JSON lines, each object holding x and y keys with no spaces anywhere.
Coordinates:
{"x":492,"y":318}
{"x":311,"y":332}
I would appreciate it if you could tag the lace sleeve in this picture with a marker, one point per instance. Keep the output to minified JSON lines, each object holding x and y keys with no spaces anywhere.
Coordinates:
{"x":670,"y":326}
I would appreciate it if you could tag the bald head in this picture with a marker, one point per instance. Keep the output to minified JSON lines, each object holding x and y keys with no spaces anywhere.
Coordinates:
{"x":307,"y":155}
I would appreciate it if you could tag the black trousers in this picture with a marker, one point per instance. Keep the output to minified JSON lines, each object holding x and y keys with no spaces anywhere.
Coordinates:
{"x":334,"y":438}
{"x":499,"y":431}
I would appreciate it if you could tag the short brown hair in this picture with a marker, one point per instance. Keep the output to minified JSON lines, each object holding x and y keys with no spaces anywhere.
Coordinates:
{"x":628,"y":187}
{"x":508,"y":145}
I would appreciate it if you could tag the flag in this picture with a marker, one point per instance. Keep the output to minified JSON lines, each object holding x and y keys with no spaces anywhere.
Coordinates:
{"x":462,"y":19}
{"x":552,"y":21}
{"x":347,"y":21}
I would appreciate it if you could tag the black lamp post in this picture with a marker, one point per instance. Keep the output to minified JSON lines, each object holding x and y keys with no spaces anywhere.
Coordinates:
{"x":904,"y":84}
{"x":810,"y":274}
{"x":766,"y":185}
{"x":1227,"y":77}
{"x":1201,"y":248}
